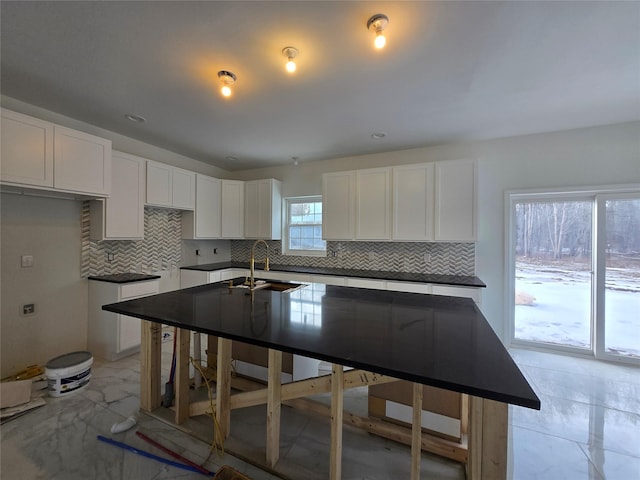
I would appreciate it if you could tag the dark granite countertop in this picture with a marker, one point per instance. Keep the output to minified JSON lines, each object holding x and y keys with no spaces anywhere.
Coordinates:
{"x":124,"y":277}
{"x":460,"y":280}
{"x":435,"y":340}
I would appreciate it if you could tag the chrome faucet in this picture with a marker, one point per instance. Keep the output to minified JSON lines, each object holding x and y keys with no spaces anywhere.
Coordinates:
{"x":252,"y":283}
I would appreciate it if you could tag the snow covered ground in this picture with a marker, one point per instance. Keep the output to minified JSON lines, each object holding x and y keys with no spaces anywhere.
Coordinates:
{"x":561,"y":310}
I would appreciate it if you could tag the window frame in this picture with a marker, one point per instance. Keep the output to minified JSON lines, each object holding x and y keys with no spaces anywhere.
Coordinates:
{"x":598,"y":195}
{"x":286,"y":208}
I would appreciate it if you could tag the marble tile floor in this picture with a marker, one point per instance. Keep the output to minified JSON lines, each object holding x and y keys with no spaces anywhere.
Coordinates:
{"x":588,"y":428}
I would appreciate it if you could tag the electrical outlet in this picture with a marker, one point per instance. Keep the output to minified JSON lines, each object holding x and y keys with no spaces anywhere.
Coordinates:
{"x":29,"y":309}
{"x":215,"y":251}
{"x":427,"y":257}
{"x":197,"y":253}
{"x":110,"y":257}
{"x":26,"y":261}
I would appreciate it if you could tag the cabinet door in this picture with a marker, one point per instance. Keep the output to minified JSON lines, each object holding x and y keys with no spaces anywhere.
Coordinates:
{"x":413,"y":202}
{"x":26,"y":150}
{"x":159,"y":184}
{"x":129,"y":333}
{"x":373,"y":204}
{"x":207,"y":213}
{"x":82,"y":162}
{"x":455,"y":190}
{"x":183,"y":193}
{"x":266,"y":209}
{"x":251,"y":210}
{"x":338,"y":206}
{"x":456,"y":291}
{"x":232,"y":215}
{"x":124,"y":209}
{"x":263,"y":209}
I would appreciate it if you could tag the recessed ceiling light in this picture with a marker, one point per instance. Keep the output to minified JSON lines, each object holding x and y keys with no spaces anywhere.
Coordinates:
{"x":135,"y":118}
{"x":231,"y":159}
{"x":378,"y":135}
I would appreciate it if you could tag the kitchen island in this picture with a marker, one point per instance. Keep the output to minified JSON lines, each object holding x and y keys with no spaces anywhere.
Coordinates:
{"x":430,"y":340}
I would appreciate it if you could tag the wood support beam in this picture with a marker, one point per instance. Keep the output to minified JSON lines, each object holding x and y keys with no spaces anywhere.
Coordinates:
{"x":150,"y":354}
{"x":337,"y":407}
{"x":298,"y":389}
{"x":416,"y":432}
{"x":223,"y":386}
{"x":273,"y":407}
{"x":488,"y":431}
{"x":183,"y":341}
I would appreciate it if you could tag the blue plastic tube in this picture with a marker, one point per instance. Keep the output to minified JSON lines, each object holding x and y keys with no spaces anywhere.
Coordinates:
{"x":148,"y":455}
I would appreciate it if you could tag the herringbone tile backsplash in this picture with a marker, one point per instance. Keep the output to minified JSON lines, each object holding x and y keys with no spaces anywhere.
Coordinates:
{"x":160,"y":249}
{"x":443,"y":258}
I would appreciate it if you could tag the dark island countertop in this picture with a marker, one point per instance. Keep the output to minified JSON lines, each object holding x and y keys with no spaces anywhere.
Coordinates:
{"x":459,"y":280}
{"x":435,"y":340}
{"x":124,"y":277}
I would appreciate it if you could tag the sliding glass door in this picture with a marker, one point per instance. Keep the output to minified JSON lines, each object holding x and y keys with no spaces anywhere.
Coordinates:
{"x":574,"y":266}
{"x":618,"y":313}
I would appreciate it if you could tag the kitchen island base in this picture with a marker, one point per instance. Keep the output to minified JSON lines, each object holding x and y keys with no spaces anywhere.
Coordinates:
{"x":483,"y":449}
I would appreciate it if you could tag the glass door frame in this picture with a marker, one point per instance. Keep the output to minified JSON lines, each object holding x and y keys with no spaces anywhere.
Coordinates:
{"x":600,"y":270}
{"x":598,"y":195}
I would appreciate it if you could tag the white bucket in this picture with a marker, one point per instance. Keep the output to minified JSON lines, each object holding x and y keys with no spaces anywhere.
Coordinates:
{"x":68,"y":373}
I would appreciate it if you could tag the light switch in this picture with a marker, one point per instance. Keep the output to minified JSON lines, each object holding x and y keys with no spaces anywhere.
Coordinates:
{"x":26,"y":261}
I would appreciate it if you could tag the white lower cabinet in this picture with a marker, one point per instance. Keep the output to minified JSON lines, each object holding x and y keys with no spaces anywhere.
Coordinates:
{"x":366,"y":283}
{"x":109,"y":335}
{"x":411,"y":287}
{"x":193,"y":278}
{"x":455,"y":291}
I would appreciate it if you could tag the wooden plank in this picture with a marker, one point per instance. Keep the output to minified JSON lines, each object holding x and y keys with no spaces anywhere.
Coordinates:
{"x":464,"y":413}
{"x":182,"y":375}
{"x":488,"y":431}
{"x":474,"y":465}
{"x":223,"y":386}
{"x":337,"y":408}
{"x":398,"y":433}
{"x":300,"y":388}
{"x":273,"y":407}
{"x":212,"y":351}
{"x":416,"y":432}
{"x":150,"y":353}
{"x":495,"y":426}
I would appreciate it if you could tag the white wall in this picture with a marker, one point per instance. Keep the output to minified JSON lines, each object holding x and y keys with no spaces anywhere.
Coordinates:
{"x":48,"y":229}
{"x":590,"y":156}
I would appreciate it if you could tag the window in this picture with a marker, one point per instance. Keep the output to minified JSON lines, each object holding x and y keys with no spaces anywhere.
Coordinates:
{"x":303,"y":227}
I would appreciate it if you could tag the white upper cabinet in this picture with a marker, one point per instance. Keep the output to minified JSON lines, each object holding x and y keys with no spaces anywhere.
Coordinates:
{"x":82,"y":162}
{"x":184,"y":189}
{"x":40,"y":154}
{"x":338,"y":205}
{"x":455,"y":190}
{"x":232,"y":216}
{"x":373,"y":204}
{"x":27,"y":150}
{"x":263,"y":209}
{"x":121,"y":216}
{"x":423,"y":202}
{"x":204,"y":221}
{"x":169,"y":186}
{"x":413,"y":202}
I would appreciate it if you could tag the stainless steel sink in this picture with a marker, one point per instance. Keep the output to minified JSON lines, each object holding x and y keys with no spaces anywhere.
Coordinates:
{"x":282,"y":287}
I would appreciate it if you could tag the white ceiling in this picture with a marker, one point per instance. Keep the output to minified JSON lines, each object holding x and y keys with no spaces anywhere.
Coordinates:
{"x":452,"y":71}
